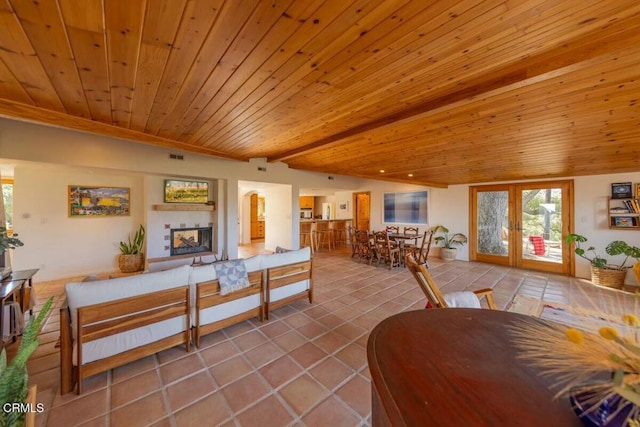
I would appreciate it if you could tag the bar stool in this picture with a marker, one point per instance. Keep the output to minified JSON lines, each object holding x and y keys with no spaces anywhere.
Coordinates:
{"x":306,"y":235}
{"x":339,"y":230}
{"x":324,"y":235}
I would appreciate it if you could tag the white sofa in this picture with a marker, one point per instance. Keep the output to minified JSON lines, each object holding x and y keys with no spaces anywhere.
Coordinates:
{"x":124,"y":319}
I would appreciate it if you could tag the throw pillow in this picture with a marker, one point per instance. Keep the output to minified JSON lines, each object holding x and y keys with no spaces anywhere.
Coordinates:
{"x":232,"y":276}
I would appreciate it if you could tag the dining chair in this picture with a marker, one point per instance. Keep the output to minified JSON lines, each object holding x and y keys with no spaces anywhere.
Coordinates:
{"x":421,"y":253}
{"x":386,"y":250}
{"x":365,"y":248}
{"x":436,"y":299}
{"x":351,"y":231}
{"x":413,"y":231}
{"x":393,"y":229}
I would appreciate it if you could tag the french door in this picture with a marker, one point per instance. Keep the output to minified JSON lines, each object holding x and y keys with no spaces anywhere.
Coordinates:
{"x":522,"y":225}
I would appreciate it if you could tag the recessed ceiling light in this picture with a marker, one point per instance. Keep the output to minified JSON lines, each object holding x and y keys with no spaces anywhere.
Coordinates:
{"x":381,"y":170}
{"x":410,"y":175}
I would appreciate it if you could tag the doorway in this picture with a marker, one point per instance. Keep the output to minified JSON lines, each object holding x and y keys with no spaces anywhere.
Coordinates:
{"x":362,"y":210}
{"x":522,"y":225}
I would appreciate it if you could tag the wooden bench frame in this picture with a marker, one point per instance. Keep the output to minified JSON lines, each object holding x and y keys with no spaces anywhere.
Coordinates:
{"x":208,"y":295}
{"x":286,"y":275}
{"x":114,"y":317}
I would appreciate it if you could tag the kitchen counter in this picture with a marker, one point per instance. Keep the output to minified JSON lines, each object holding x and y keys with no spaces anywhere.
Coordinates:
{"x":324,"y":220}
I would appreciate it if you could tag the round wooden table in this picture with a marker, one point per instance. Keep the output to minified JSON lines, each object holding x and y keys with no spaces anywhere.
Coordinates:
{"x":457,"y":367}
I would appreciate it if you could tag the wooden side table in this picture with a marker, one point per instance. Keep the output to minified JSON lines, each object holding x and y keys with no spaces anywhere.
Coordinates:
{"x":25,"y":292}
{"x":16,"y":287}
{"x":8,"y":290}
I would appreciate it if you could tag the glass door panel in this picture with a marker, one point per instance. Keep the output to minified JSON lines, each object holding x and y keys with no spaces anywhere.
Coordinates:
{"x":491,"y":225}
{"x":541,"y":223}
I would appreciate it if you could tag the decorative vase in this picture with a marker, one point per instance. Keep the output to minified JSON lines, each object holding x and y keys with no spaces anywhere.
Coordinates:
{"x":609,"y":278}
{"x":131,"y":263}
{"x":448,"y":254}
{"x":604,"y":414}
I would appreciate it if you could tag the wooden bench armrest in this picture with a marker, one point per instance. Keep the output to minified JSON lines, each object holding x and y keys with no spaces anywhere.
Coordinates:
{"x":67,"y":373}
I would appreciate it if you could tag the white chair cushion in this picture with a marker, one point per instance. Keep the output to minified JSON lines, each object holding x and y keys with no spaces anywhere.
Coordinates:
{"x":463,"y":299}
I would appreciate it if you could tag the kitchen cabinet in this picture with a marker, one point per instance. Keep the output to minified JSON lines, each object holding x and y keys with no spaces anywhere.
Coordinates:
{"x":307,"y":202}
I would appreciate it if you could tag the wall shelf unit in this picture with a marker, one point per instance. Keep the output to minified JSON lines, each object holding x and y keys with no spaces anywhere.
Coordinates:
{"x":624,"y":214}
{"x":192,"y":208}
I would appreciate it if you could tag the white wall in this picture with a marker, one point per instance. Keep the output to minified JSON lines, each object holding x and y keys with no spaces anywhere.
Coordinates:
{"x":278,"y":222}
{"x":60,"y":245}
{"x":591,"y":217}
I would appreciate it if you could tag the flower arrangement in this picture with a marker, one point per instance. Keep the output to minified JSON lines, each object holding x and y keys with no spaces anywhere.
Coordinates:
{"x":604,"y":366}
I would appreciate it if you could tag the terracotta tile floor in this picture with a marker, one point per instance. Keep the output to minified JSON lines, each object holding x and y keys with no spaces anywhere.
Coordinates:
{"x":306,"y":366}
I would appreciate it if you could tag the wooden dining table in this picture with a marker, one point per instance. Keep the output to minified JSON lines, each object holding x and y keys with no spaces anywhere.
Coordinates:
{"x":457,"y":367}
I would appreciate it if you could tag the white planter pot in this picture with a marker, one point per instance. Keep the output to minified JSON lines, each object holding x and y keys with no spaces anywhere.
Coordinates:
{"x":448,"y":254}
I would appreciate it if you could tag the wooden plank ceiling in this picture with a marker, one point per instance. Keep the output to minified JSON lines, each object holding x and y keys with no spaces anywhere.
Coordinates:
{"x":448,"y":92}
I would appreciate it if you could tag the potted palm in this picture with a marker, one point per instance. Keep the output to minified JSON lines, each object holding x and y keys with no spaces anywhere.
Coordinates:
{"x":131,"y":258}
{"x":603,"y":271}
{"x":448,"y":242}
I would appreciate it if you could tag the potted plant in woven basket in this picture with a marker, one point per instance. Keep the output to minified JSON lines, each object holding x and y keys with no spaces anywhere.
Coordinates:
{"x":131,"y":258}
{"x":603,"y":272}
{"x":448,"y":252}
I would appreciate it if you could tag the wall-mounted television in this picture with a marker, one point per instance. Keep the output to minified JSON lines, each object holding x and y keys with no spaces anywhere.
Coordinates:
{"x":183,"y":191}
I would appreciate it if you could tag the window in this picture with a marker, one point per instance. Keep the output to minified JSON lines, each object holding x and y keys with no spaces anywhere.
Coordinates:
{"x":7,"y":197}
{"x":405,"y":208}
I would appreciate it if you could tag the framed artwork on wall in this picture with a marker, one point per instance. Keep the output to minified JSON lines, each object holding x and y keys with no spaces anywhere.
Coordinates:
{"x":92,"y":201}
{"x":621,"y":190}
{"x":405,"y":208}
{"x":624,"y":221}
{"x":181,"y":191}
{"x":637,"y":190}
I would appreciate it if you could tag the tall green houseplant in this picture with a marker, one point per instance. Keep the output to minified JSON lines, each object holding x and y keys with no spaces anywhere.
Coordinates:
{"x":14,"y":377}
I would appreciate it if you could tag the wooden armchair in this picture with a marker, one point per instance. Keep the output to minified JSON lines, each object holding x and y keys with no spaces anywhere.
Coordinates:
{"x":436,"y":299}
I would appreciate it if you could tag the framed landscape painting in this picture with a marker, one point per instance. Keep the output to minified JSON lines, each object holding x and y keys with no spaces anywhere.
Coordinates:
{"x":179,"y":191}
{"x":90,"y":201}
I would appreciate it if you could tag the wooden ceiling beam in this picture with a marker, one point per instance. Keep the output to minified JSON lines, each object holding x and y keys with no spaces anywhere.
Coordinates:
{"x":15,"y":110}
{"x":559,"y":61}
